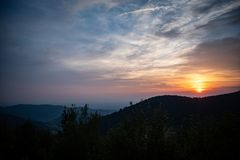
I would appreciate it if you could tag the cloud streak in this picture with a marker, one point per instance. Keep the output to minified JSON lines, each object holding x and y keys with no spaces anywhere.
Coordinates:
{"x":146,"y":10}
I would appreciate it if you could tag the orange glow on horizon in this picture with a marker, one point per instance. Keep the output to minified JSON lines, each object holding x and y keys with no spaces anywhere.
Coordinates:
{"x":198,"y":83}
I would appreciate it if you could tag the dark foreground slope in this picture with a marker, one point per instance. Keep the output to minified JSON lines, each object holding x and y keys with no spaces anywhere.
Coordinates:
{"x":177,"y":107}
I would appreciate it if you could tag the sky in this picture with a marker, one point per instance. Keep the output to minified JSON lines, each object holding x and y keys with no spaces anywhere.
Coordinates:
{"x":110,"y":52}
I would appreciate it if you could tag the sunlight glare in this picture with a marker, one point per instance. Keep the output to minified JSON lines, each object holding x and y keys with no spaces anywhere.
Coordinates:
{"x":198,"y":83}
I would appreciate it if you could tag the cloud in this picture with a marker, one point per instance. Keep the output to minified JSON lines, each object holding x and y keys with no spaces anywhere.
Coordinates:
{"x":227,"y":21}
{"x":210,"y":5}
{"x":216,"y":55}
{"x":145,"y":10}
{"x":174,"y":33}
{"x":78,"y":5}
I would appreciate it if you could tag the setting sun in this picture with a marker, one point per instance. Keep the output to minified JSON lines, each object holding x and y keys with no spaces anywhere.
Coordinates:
{"x":198,"y":83}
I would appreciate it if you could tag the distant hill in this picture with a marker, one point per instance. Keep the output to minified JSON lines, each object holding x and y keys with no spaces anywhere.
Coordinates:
{"x":40,"y":113}
{"x":14,"y":121}
{"x":177,"y":107}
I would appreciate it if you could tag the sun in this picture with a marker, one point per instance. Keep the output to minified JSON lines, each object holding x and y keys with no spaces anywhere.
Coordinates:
{"x":199,"y":86}
{"x":198,"y":83}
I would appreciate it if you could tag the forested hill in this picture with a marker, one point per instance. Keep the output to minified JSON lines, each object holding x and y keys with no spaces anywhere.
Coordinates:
{"x":177,"y":107}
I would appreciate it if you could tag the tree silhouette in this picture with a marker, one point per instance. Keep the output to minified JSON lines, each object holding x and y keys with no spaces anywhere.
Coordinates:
{"x":80,"y":136}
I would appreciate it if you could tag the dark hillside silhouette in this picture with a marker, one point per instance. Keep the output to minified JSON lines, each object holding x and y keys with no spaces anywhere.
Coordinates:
{"x":178,"y":107}
{"x":141,"y":131}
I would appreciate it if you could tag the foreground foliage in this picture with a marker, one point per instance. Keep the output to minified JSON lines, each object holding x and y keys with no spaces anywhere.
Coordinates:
{"x":137,"y":137}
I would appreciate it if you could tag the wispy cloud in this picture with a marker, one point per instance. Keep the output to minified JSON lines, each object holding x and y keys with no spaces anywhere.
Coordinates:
{"x":147,"y":9}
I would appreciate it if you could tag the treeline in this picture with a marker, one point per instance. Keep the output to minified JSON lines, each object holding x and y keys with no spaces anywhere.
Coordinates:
{"x":137,"y":137}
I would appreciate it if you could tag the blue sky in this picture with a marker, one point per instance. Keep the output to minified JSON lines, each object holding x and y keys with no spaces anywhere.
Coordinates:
{"x":112,"y":51}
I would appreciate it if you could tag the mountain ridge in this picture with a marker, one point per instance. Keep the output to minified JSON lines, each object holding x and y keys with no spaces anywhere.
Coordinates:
{"x":178,"y":107}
